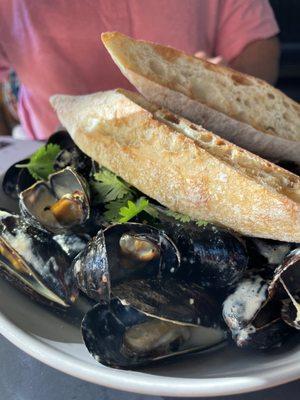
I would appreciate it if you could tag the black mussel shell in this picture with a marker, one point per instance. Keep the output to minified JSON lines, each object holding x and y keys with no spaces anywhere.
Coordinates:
{"x":121,"y":336}
{"x":286,"y":285}
{"x":170,"y":299}
{"x":72,"y":244}
{"x":290,"y":312}
{"x":128,"y":251}
{"x":59,"y":205}
{"x":211,"y":256}
{"x":16,"y":180}
{"x":92,"y":271}
{"x":70,"y":155}
{"x":32,"y":260}
{"x":265,"y":255}
{"x":253,"y":317}
{"x":138,"y":251}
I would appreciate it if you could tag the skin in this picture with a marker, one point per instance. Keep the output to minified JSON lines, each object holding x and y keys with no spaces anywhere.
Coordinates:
{"x":259,"y":58}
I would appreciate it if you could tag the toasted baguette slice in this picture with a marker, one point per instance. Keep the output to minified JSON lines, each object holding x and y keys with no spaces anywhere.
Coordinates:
{"x":240,"y":108}
{"x":183,"y":166}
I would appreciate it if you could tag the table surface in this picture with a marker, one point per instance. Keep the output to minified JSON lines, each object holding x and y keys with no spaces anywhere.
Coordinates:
{"x":24,"y":378}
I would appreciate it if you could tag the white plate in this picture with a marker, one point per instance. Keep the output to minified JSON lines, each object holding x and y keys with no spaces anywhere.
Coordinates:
{"x":55,"y":339}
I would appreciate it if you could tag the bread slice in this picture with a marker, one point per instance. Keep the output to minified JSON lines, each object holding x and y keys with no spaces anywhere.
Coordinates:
{"x":183,"y":166}
{"x":238,"y":107}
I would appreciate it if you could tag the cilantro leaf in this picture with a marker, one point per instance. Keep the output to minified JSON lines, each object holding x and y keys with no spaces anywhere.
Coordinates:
{"x":132,"y":209}
{"x":111,"y":213}
{"x":179,"y":217}
{"x":200,"y":223}
{"x":109,"y":187}
{"x":41,"y":162}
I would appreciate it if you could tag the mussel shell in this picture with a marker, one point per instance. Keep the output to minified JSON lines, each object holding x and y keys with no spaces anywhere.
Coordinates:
{"x":104,"y":329}
{"x":35,"y":201}
{"x":286,"y":285}
{"x":92,"y":271}
{"x":72,"y":244}
{"x":265,"y":255}
{"x":103,"y":259}
{"x":211,"y":256}
{"x":16,"y":180}
{"x":253,"y":317}
{"x":45,"y":261}
{"x":70,"y":155}
{"x":290,"y":312}
{"x":122,"y":267}
{"x":170,"y":299}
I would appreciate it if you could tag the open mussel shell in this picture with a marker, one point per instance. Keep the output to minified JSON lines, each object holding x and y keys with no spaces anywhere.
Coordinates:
{"x":127,"y":336}
{"x":34,"y":262}
{"x":253,"y":317}
{"x":286,"y":285}
{"x":128,"y":251}
{"x":16,"y":180}
{"x":211,"y":256}
{"x":59,"y":205}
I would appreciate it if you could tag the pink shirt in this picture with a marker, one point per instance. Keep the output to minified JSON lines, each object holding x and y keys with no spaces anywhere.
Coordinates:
{"x":55,"y":46}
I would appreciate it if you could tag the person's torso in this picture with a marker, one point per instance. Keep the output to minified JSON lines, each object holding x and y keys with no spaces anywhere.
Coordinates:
{"x":55,"y":45}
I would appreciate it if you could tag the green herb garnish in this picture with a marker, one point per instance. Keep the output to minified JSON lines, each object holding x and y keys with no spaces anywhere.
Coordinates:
{"x":109,"y":187}
{"x":41,"y":162}
{"x":179,"y":217}
{"x":132,"y":209}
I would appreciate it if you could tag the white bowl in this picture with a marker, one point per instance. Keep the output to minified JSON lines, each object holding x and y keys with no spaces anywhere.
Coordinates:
{"x":55,"y":339}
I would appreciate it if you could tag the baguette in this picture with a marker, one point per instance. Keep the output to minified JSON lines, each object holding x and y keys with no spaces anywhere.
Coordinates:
{"x":240,"y":108}
{"x":183,"y":166}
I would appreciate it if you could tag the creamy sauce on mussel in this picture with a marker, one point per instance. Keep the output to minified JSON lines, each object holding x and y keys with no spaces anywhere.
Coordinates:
{"x":19,"y":249}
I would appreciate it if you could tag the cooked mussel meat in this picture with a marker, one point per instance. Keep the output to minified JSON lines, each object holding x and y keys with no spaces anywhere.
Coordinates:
{"x":33,"y":261}
{"x":126,"y":336}
{"x":253,"y":316}
{"x":125,"y":251}
{"x":58,"y":205}
{"x":211,"y":256}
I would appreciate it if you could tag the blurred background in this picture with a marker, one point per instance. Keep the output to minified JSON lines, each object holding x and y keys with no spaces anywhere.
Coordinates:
{"x":287,"y":14}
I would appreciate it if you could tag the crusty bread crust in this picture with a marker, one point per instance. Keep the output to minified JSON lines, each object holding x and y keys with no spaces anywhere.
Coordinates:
{"x":183,"y":166}
{"x":238,"y":107}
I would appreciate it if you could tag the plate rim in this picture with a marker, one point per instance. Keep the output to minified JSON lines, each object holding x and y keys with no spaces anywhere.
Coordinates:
{"x":139,"y":382}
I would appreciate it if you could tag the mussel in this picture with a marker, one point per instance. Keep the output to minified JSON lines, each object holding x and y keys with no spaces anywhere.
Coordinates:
{"x":34,"y":262}
{"x":266,"y":255}
{"x":287,"y":284}
{"x":122,"y":335}
{"x":72,"y":244}
{"x":211,"y":256}
{"x":16,"y":180}
{"x":253,"y":316}
{"x":122,"y":252}
{"x":70,"y":155}
{"x":59,"y":205}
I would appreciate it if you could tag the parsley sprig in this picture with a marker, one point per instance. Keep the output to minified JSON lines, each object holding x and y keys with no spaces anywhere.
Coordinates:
{"x":41,"y":162}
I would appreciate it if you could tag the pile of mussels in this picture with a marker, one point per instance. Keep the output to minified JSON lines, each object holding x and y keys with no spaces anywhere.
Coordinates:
{"x":159,"y":289}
